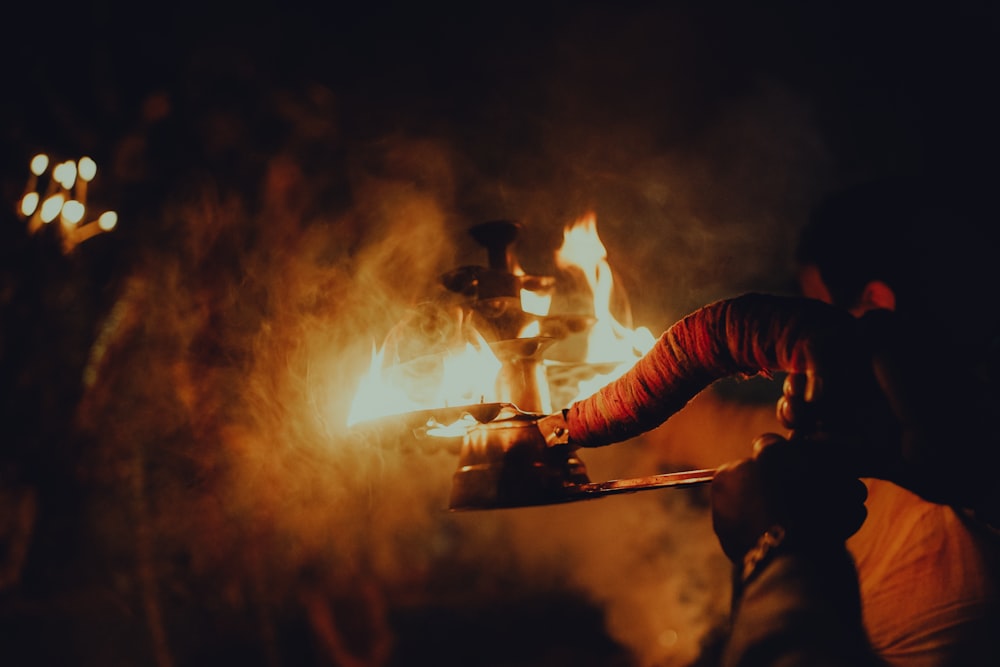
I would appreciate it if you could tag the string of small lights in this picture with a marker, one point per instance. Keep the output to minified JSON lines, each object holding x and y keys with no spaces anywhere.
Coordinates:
{"x":60,"y":193}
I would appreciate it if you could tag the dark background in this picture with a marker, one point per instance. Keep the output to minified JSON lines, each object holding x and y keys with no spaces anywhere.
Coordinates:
{"x":288,"y":178}
{"x":737,"y":118}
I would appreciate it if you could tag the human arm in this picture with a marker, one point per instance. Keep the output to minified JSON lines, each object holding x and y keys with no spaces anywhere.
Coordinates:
{"x":743,"y":336}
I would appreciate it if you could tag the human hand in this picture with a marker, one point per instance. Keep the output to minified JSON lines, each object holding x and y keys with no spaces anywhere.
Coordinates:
{"x":788,"y":483}
{"x":847,"y":411}
{"x":554,"y":429}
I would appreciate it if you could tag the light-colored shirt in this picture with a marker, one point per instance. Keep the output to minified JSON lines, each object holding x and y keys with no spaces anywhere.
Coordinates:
{"x":929,"y":582}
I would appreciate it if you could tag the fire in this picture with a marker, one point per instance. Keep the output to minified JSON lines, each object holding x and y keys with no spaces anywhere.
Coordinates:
{"x":470,"y":373}
{"x":610,"y":344}
{"x":535,"y":303}
{"x":532,"y":302}
{"x":459,"y":377}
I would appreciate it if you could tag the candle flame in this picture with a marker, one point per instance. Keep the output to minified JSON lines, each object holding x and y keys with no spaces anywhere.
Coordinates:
{"x":87,"y":169}
{"x":65,"y":174}
{"x":29,"y":204}
{"x":72,"y":212}
{"x":66,"y":198}
{"x":51,"y":207}
{"x":456,"y":429}
{"x":39,"y":164}
{"x":108,"y":220}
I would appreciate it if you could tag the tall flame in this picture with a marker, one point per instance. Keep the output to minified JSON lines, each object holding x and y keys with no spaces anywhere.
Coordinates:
{"x":609,"y":342}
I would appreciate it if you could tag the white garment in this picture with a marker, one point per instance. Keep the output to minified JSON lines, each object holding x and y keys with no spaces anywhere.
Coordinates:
{"x":928,"y":582}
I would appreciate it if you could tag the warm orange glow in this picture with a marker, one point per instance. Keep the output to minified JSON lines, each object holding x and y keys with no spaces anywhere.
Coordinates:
{"x":609,"y":342}
{"x":471,"y":375}
{"x":464,"y":376}
{"x":374,"y":395}
{"x":535,"y":303}
{"x":455,"y":429}
{"x":532,"y":329}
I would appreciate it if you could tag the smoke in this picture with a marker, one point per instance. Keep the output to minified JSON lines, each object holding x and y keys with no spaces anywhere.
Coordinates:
{"x":212,"y":427}
{"x":220,"y":403}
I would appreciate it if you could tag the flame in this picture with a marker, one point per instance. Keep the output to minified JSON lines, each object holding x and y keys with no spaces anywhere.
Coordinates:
{"x":464,"y":376}
{"x":65,"y":174}
{"x":470,"y":373}
{"x":609,"y":342}
{"x":455,"y":429}
{"x":531,"y":329}
{"x":29,"y":204}
{"x":533,"y":303}
{"x":87,"y":169}
{"x":72,"y":212}
{"x":51,"y":207}
{"x":107,"y":220}
{"x":39,"y":164}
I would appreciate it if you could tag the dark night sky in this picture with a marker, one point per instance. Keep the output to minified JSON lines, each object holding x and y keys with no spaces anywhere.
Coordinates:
{"x":890,"y":82}
{"x":720,"y":88}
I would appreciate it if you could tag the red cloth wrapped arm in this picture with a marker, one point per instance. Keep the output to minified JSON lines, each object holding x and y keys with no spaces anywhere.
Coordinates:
{"x":742,"y":336}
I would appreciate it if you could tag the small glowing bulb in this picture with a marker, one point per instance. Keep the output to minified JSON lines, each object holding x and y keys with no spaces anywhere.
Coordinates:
{"x":29,"y":204}
{"x":39,"y":164}
{"x":108,"y":220}
{"x":72,"y":212}
{"x":51,"y":207}
{"x":65,"y":174}
{"x":59,"y":172}
{"x":87,"y":169}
